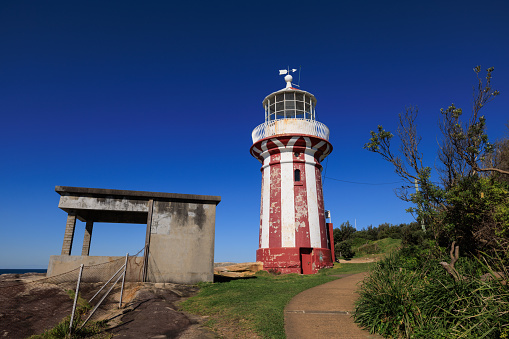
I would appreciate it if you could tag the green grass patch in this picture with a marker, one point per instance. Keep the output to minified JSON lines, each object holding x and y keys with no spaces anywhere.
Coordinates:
{"x":256,"y":305}
{"x":347,"y":268}
{"x":94,"y":329}
{"x":409,"y":295}
{"x":363,"y":247}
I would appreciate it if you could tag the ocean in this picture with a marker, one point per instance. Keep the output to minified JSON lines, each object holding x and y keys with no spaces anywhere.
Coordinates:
{"x":23,"y":270}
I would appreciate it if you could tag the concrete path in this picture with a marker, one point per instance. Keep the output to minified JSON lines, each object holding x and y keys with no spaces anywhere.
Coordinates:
{"x":325,"y":311}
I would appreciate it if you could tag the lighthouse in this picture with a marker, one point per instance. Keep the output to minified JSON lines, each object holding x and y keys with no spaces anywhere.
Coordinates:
{"x":290,"y":145}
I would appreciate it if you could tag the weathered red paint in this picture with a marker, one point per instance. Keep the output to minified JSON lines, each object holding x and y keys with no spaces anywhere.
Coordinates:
{"x":306,"y":259}
{"x":261,"y":218}
{"x":302,"y":238}
{"x":275,"y":201}
{"x":331,"y":241}
{"x":282,"y":259}
{"x":290,"y":259}
{"x":321,"y":212}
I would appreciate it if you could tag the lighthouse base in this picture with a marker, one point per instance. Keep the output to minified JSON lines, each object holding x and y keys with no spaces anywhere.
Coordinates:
{"x":302,"y":260}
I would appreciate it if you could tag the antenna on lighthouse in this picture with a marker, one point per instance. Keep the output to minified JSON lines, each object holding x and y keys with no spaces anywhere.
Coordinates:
{"x":300,"y":68}
{"x":288,"y":77}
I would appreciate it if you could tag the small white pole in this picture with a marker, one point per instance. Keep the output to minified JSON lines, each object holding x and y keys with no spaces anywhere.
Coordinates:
{"x":114,"y":275}
{"x":75,"y":298}
{"x":420,"y":207}
{"x":123,"y":280}
{"x":100,"y":302}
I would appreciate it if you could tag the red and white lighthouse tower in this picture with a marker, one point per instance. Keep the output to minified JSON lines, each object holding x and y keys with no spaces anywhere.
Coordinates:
{"x":290,"y":144}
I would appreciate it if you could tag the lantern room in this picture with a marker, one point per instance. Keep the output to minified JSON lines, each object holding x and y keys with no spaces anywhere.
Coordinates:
{"x":290,"y":111}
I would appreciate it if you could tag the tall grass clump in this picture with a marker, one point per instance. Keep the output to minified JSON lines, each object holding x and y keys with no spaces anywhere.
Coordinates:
{"x":410,"y":295}
{"x":94,"y":329}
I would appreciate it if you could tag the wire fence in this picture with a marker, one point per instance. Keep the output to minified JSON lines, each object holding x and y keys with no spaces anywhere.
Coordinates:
{"x":91,"y":273}
{"x":102,"y":285}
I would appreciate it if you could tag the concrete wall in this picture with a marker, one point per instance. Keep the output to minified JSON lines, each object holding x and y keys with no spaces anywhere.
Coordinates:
{"x":97,"y":268}
{"x":180,"y":238}
{"x":182,"y":242}
{"x":102,"y":203}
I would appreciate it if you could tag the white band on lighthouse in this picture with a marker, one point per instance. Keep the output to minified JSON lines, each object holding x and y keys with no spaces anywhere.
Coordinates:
{"x":287,"y":201}
{"x":314,"y":223}
{"x":265,"y":205}
{"x":290,"y":145}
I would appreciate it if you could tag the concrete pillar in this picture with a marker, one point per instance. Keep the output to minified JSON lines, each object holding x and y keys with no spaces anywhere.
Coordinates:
{"x":87,"y":238}
{"x":69,"y":234}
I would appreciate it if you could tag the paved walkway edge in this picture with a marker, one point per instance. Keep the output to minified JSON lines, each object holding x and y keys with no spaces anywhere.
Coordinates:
{"x":325,"y":311}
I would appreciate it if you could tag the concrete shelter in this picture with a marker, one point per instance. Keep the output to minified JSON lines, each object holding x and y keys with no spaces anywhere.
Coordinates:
{"x":179,"y":243}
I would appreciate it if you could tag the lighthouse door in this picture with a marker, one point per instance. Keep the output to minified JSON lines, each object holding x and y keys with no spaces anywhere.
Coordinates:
{"x":305,"y":260}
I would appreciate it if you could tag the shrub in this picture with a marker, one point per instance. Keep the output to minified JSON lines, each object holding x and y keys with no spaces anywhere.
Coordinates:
{"x":410,"y":295}
{"x":412,"y":234}
{"x":371,"y":248}
{"x":344,"y":249}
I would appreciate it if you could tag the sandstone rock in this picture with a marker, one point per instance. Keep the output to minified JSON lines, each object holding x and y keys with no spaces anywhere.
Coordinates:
{"x":239,"y":270}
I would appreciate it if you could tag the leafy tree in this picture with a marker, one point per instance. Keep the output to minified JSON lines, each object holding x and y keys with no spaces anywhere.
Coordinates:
{"x":499,"y":158}
{"x":344,"y":249}
{"x":372,"y":232}
{"x":412,"y":234}
{"x":386,"y":230}
{"x":344,"y":232}
{"x":457,"y":207}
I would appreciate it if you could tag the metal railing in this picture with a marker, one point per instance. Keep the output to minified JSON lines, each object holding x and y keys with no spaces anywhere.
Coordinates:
{"x":290,"y":126}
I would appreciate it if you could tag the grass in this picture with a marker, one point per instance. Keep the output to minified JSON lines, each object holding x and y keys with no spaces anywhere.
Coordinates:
{"x":411,"y":296}
{"x":61,"y":330}
{"x":382,"y":247}
{"x":349,"y":268}
{"x":255,"y":306}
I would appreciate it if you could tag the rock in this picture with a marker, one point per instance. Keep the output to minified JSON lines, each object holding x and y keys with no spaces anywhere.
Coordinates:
{"x":239,"y":270}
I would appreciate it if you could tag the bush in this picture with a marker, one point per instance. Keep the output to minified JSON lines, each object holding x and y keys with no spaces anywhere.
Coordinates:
{"x":410,"y":295}
{"x":344,"y":232}
{"x":344,"y":249}
{"x":61,"y":330}
{"x":371,"y":248}
{"x":412,"y":234}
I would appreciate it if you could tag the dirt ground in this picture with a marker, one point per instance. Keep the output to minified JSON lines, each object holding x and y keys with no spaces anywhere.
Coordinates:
{"x":27,"y":309}
{"x":149,"y":310}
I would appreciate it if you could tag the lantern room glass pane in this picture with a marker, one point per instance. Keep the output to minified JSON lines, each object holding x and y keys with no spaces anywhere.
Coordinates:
{"x":299,"y":96}
{"x":290,"y":109}
{"x":289,"y":96}
{"x":279,"y":97}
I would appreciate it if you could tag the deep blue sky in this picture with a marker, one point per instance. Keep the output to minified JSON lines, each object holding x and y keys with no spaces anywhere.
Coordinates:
{"x":163,"y":96}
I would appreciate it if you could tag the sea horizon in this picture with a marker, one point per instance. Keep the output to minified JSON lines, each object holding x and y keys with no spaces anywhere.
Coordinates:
{"x":22,"y":270}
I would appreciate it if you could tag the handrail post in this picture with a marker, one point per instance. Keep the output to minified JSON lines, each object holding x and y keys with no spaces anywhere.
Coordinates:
{"x":75,"y":298}
{"x":100,"y":302}
{"x":123,"y":281}
{"x":114,"y":275}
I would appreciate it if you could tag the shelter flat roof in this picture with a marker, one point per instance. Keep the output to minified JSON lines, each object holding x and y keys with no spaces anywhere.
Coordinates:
{"x":143,"y":195}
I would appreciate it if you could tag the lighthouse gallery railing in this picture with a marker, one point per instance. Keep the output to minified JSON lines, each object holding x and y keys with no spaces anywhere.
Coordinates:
{"x":290,"y":126}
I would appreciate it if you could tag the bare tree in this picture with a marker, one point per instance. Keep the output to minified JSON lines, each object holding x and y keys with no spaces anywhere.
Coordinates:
{"x":464,"y":154}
